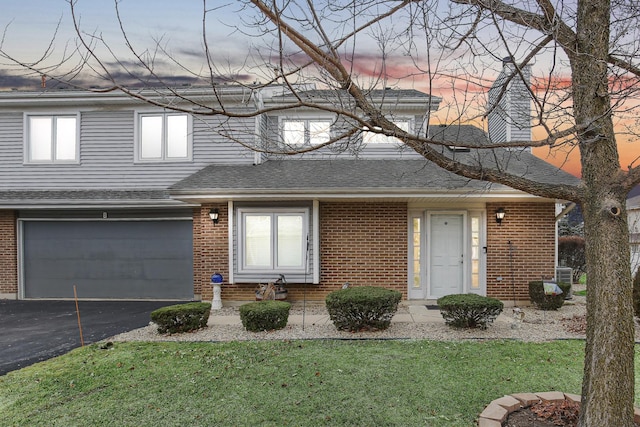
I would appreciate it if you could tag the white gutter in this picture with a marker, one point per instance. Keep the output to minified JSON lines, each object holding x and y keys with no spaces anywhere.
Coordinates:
{"x":80,"y":98}
{"x":230,"y":235}
{"x":39,"y":205}
{"x":316,"y":242}
{"x":296,"y":195}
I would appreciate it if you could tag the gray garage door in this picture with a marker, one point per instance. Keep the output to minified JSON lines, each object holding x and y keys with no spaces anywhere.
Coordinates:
{"x":118,"y":260}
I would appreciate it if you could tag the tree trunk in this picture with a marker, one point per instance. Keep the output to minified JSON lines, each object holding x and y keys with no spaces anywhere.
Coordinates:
{"x":608,"y":384}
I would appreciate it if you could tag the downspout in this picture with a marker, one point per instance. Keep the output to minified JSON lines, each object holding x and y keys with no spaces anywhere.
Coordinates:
{"x":257,"y":138}
{"x":571,"y":206}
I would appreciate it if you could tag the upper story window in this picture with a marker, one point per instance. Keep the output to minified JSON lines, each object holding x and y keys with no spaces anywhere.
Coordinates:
{"x":52,"y":139}
{"x":164,"y":137}
{"x":379,"y":138}
{"x":306,"y":131}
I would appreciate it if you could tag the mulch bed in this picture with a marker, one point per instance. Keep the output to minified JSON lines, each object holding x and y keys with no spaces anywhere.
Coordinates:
{"x":546,"y":414}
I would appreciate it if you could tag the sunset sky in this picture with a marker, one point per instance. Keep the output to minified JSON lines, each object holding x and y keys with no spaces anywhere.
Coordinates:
{"x":29,"y":26}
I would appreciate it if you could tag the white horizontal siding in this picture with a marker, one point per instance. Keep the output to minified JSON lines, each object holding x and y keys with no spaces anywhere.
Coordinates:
{"x":107,"y":155}
{"x":214,"y":139}
{"x":10,"y":143}
{"x":510,"y":120}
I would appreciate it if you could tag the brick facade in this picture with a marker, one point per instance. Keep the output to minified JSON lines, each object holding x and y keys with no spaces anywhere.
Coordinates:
{"x":211,"y":251}
{"x":360,"y":243}
{"x":530,"y":229}
{"x":366,"y":244}
{"x":8,"y":255}
{"x":363,"y":244}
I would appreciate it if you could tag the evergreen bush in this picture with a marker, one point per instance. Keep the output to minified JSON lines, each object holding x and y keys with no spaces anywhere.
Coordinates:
{"x":181,"y":317}
{"x":571,"y":253}
{"x":469,"y":310}
{"x":264,"y":315}
{"x":362,"y":308}
{"x":636,"y":293}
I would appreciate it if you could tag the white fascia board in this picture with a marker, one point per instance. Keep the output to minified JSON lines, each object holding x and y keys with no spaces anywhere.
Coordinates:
{"x":78,"y":98}
{"x":293,"y":195}
{"x":95,"y":205}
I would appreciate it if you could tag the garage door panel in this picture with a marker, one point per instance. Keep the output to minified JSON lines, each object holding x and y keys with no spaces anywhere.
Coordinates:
{"x":124,"y":259}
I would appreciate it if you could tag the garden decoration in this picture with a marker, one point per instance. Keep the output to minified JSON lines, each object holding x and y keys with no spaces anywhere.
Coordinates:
{"x":216,"y":282}
{"x":272,"y":290}
{"x":551,"y":289}
{"x":518,"y":318}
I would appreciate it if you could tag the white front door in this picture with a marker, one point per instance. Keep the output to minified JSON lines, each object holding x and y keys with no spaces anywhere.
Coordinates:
{"x":446,"y":254}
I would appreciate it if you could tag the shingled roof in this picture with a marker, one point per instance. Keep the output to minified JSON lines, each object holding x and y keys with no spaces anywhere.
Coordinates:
{"x":86,"y":198}
{"x":361,"y":178}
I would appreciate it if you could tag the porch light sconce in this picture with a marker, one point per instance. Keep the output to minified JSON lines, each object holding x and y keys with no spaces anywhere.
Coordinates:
{"x":214,"y":215}
{"x":500,"y":213}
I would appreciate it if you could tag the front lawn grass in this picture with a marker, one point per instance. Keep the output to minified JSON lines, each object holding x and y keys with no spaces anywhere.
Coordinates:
{"x":284,"y":383}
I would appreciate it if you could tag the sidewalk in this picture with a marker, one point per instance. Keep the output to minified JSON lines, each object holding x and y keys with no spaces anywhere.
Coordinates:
{"x":413,"y":314}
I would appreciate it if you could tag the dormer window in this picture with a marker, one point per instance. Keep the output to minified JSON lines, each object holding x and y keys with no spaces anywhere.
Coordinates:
{"x":369,"y":137}
{"x":459,"y":149}
{"x":451,"y":133}
{"x":310,"y":132}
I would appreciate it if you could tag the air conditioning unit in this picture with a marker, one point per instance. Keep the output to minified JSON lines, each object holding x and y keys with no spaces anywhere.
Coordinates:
{"x":565,"y":274}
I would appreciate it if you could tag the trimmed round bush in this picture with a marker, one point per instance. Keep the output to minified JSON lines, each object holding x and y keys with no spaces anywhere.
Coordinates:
{"x":181,"y":317}
{"x":362,"y":308}
{"x":264,"y":315}
{"x":547,"y":302}
{"x":469,"y":310}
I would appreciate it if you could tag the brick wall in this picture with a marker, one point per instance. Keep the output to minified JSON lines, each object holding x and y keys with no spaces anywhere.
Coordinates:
{"x":363,"y":244}
{"x":8,"y":254}
{"x":530,"y":229}
{"x":210,"y":249}
{"x":366,"y":244}
{"x":360,"y":243}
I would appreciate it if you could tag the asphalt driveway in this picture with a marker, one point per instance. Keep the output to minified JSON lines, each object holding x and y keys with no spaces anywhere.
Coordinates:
{"x":33,"y":331}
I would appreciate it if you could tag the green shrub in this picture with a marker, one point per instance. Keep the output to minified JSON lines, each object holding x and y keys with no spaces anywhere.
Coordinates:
{"x":547,"y":302}
{"x":264,"y":315}
{"x":362,"y":308}
{"x":636,"y":293}
{"x":469,"y":310}
{"x":181,"y":317}
{"x":571,"y":254}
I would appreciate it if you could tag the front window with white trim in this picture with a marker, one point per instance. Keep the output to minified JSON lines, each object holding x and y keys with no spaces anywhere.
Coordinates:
{"x":475,"y":253}
{"x":52,"y":138}
{"x":164,"y":137}
{"x":310,"y":132}
{"x":272,"y":240}
{"x":369,"y":137}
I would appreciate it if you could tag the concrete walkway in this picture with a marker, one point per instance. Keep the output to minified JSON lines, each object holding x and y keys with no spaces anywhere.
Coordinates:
{"x":413,"y":314}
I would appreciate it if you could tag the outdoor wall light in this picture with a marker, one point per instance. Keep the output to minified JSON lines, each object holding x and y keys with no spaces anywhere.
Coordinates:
{"x":214,"y":215}
{"x":500,"y":213}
